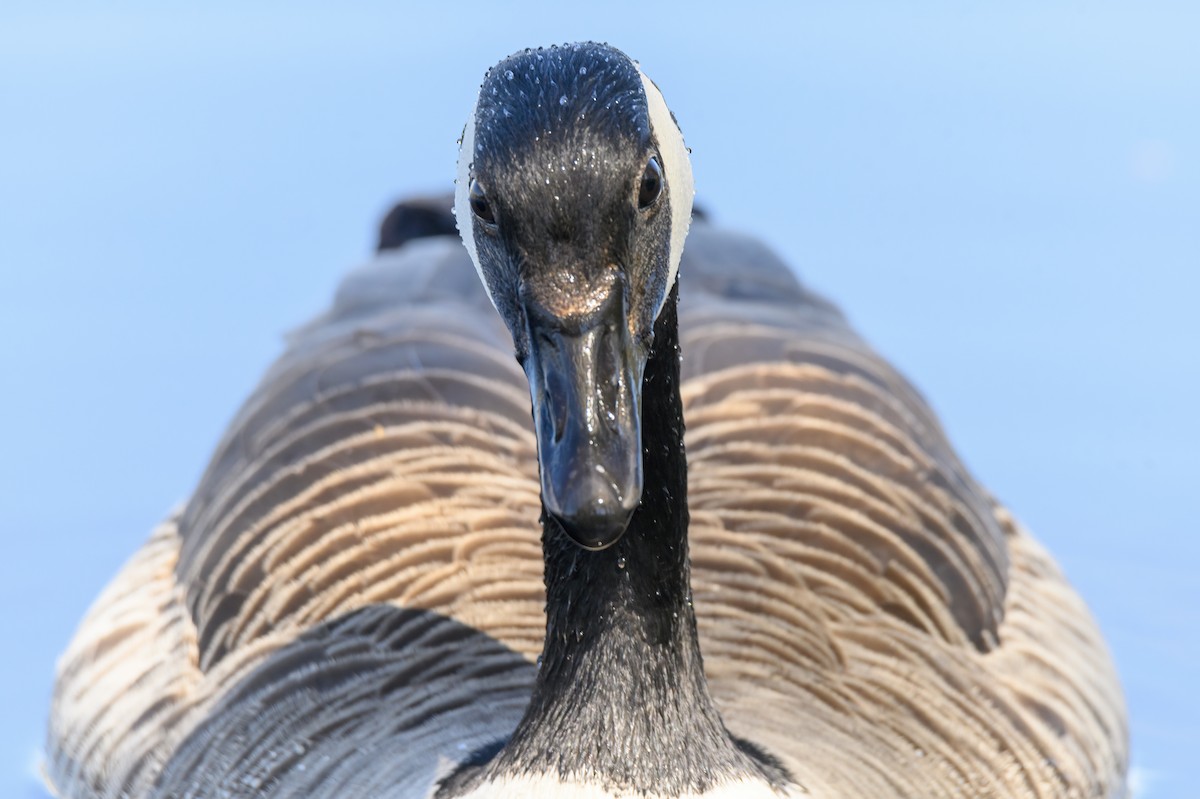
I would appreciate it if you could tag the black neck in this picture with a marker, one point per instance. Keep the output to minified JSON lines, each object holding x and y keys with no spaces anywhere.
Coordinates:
{"x":621,"y":698}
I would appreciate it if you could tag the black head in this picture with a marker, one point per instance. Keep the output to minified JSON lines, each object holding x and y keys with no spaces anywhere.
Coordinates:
{"x":574,"y":195}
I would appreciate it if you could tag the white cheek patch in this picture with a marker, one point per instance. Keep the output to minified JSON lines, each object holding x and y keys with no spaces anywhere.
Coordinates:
{"x":463,"y":215}
{"x":678,"y":168}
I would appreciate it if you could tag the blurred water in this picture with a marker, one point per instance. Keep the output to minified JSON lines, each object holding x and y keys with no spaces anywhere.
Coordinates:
{"x":1005,"y":201}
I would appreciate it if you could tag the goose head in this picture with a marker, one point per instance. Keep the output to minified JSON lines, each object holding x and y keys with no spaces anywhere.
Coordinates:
{"x":573,"y":198}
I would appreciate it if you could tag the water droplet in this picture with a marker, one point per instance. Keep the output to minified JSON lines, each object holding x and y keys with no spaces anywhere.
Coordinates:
{"x":508,"y":73}
{"x":583,"y":70}
{"x":562,"y":100}
{"x":621,"y":562}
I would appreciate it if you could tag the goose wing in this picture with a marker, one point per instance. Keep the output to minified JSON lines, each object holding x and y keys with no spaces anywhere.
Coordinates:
{"x":352,"y":599}
{"x":866,"y":610}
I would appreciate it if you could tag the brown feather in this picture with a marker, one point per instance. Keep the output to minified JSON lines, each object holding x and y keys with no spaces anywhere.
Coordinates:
{"x":352,"y":601}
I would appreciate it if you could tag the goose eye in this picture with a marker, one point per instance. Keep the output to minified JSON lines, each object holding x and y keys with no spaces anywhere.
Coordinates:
{"x":652,"y":184}
{"x":480,"y":205}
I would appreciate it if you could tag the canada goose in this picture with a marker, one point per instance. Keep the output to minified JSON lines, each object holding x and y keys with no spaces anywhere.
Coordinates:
{"x":352,"y":602}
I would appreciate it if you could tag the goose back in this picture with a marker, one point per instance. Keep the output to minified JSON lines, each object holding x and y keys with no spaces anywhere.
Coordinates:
{"x":351,"y":601}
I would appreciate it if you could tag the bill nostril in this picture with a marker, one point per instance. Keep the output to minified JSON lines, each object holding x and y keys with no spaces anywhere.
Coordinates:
{"x":557,"y":413}
{"x":555,"y":401}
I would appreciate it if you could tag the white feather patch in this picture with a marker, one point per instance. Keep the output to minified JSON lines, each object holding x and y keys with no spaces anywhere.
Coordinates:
{"x":464,"y":217}
{"x":539,"y":786}
{"x":678,"y":168}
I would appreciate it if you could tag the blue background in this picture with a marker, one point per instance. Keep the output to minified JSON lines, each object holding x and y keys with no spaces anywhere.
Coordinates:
{"x":1005,"y":200}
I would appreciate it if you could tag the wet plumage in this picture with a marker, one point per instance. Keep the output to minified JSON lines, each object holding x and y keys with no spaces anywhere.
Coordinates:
{"x":351,"y":603}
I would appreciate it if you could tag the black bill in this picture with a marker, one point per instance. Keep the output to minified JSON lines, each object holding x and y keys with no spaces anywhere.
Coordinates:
{"x":585,"y":379}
